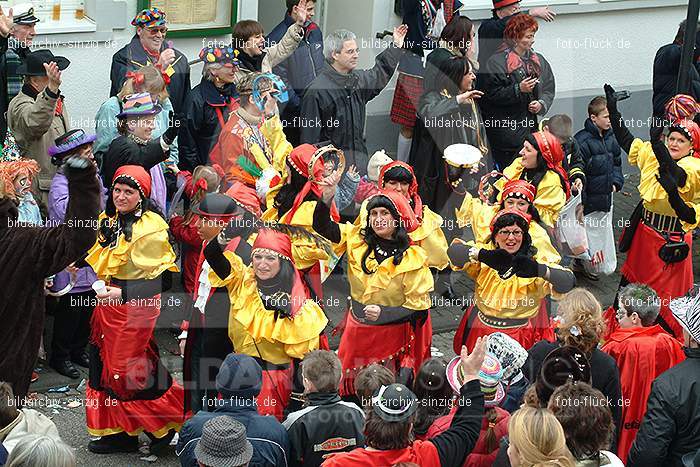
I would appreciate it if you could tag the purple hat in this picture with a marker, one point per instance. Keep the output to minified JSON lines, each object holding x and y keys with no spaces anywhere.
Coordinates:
{"x":137,"y":105}
{"x":67,"y":143}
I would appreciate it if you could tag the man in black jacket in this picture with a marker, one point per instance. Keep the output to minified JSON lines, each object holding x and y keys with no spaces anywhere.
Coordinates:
{"x":334,"y":104}
{"x":328,"y":424}
{"x":148,"y":47}
{"x":671,"y":426}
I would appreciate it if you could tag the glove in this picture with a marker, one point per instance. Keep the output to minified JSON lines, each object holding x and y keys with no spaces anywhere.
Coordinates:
{"x":498,"y":259}
{"x":174,"y":124}
{"x":667,"y":181}
{"x":458,"y":254}
{"x":666,"y":162}
{"x":683,"y":211}
{"x":611,"y":99}
{"x":525,"y":267}
{"x":655,"y":132}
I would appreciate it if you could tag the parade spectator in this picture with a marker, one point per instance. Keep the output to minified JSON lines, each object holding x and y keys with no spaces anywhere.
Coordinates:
{"x":667,"y":64}
{"x":334,"y":104}
{"x":21,"y":31}
{"x":149,"y":47}
{"x":138,"y":145}
{"x":299,"y":69}
{"x":642,"y":351}
{"x":456,"y":41}
{"x":388,"y":425}
{"x":670,"y":430}
{"x":249,"y":40}
{"x":37,"y":115}
{"x":223,"y":443}
{"x":71,"y":324}
{"x":327,"y":424}
{"x":208,"y":106}
{"x":537,"y":438}
{"x":434,"y":394}
{"x":125,"y":364}
{"x":581,"y":326}
{"x":584,"y":415}
{"x":512,"y":356}
{"x":239,"y":381}
{"x":518,"y":86}
{"x":369,"y":380}
{"x":41,"y":451}
{"x":146,"y":80}
{"x":28,"y":255}
{"x":663,"y":222}
{"x":16,"y":423}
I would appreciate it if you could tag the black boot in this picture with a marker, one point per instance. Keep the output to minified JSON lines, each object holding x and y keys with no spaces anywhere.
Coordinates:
{"x":160,"y":445}
{"x":121,"y":442}
{"x":66,"y":368}
{"x":81,"y":359}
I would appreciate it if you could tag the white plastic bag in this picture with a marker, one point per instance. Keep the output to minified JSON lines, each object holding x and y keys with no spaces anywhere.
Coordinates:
{"x":439,"y":24}
{"x":601,"y":243}
{"x":570,"y":230}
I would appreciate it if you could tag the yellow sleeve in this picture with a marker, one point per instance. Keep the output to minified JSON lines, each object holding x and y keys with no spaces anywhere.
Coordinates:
{"x":635,"y":149}
{"x":272,"y":129}
{"x":690,"y":192}
{"x":417,"y":286}
{"x":431,"y":238}
{"x":153,"y":254}
{"x":235,"y":277}
{"x":550,"y":198}
{"x":546,"y":253}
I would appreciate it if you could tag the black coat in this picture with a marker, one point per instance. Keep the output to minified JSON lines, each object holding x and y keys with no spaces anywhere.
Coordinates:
{"x":505,"y":108}
{"x":666,"y":65}
{"x":132,"y":56}
{"x":334,"y":106}
{"x":602,"y":159}
{"x":671,"y":426}
{"x":125,"y":151}
{"x":604,"y":372}
{"x":203,"y":107}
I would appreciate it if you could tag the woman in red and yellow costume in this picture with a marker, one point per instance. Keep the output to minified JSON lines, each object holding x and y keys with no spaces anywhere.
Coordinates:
{"x":130,"y":391}
{"x":659,"y":241}
{"x":540,"y":164}
{"x":399,"y":176}
{"x":390,"y":284}
{"x":511,"y":278}
{"x":273,"y":317}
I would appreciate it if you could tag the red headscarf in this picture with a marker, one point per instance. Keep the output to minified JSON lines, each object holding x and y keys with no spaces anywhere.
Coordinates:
{"x":553,"y":155}
{"x":278,"y":243}
{"x":408,"y":218}
{"x":138,"y":175}
{"x":412,"y":189}
{"x":515,"y":212}
{"x":245,"y":197}
{"x":690,"y":130}
{"x":299,"y":159}
{"x":520,"y":189}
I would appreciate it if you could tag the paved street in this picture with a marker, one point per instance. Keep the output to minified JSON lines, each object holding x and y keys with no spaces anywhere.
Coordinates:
{"x":71,"y":421}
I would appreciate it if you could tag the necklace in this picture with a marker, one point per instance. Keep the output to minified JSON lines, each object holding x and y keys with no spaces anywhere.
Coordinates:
{"x":138,"y":140}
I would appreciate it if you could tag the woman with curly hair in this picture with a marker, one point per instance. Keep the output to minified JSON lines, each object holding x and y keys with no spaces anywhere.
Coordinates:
{"x":581,"y":325}
{"x":584,"y":415}
{"x":518,"y":85}
{"x":537,"y":439}
{"x":511,"y":278}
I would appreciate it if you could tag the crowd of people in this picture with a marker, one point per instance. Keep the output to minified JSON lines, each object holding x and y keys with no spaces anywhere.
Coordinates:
{"x":255,"y":190}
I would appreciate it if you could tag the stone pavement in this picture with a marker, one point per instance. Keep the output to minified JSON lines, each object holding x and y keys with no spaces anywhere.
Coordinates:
{"x":71,"y":420}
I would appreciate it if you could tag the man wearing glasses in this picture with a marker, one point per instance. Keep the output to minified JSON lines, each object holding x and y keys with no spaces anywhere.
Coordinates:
{"x":148,"y":47}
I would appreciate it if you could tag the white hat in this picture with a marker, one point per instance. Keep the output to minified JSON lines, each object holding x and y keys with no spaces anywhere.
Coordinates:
{"x":23,"y":13}
{"x":686,"y":310}
{"x":378,"y":160}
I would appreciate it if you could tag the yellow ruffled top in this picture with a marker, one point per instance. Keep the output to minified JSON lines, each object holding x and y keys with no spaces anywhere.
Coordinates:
{"x":477,"y":215}
{"x":550,"y":198}
{"x":407,"y":284}
{"x":272,"y":131}
{"x":653,"y":195}
{"x":146,"y":256}
{"x":428,"y":235}
{"x":254,"y":330}
{"x":512,"y":298}
{"x":305,"y":252}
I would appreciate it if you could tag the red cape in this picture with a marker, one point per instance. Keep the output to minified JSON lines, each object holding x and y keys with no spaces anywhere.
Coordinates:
{"x":642,"y":354}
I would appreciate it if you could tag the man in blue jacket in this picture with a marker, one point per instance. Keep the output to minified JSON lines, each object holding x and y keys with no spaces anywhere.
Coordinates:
{"x":239,"y":382}
{"x":299,"y":69}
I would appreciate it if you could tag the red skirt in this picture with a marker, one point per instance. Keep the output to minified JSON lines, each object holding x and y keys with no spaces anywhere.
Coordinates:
{"x":393,"y":345}
{"x":408,"y":90}
{"x":124,"y":337}
{"x":670,"y":281}
{"x":526,"y":332}
{"x":275,"y":392}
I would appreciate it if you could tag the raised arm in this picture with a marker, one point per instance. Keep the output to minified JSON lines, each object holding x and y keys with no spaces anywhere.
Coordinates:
{"x":623,"y":135}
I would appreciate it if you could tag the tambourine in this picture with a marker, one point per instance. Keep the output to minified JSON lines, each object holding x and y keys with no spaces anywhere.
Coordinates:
{"x":463,"y":156}
{"x":279,"y":90}
{"x":327,"y":154}
{"x":487,"y":186}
